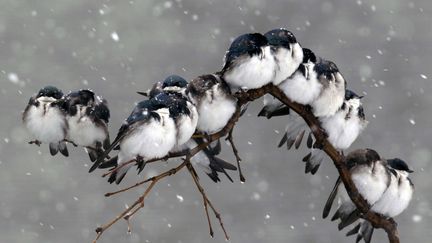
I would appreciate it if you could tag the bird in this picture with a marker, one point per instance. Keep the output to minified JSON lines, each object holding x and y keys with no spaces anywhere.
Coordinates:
{"x":342,"y":129}
{"x":317,"y":83}
{"x":46,"y":120}
{"x":394,"y":200}
{"x":149,"y":132}
{"x":87,"y":115}
{"x":214,"y":101}
{"x":216,"y":105}
{"x":287,"y":52}
{"x":249,"y":63}
{"x":370,"y":175}
{"x":332,"y":94}
{"x":383,"y":183}
{"x":206,"y":159}
{"x":274,"y":107}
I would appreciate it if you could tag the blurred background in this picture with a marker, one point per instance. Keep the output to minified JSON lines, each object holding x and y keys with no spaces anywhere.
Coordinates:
{"x":383,"y":48}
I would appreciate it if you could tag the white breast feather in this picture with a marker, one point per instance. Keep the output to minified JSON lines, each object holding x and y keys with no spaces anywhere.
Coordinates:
{"x":187,"y":125}
{"x":48,"y":127}
{"x":288,"y":62}
{"x":370,"y":185}
{"x":254,"y":72}
{"x":82,"y":131}
{"x":214,"y":111}
{"x":151,"y":140}
{"x":397,"y":197}
{"x":300,"y":89}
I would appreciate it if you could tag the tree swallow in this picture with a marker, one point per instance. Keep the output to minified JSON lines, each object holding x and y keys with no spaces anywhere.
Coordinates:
{"x":208,"y":96}
{"x":342,"y":129}
{"x":332,"y":93}
{"x":371,"y":176}
{"x":149,"y":132}
{"x":394,"y":200}
{"x":214,"y":102}
{"x":249,"y":62}
{"x":287,"y":52}
{"x":297,"y":80}
{"x":45,"y":119}
{"x":87,"y":116}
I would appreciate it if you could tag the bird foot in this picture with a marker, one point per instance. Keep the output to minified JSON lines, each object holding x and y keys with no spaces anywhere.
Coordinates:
{"x":36,"y":142}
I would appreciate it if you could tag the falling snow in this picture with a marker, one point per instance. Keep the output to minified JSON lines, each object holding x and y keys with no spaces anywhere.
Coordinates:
{"x":115,"y":36}
{"x":180,"y":198}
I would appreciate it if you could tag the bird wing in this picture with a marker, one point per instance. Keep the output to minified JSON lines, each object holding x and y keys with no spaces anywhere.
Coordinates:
{"x":137,"y":118}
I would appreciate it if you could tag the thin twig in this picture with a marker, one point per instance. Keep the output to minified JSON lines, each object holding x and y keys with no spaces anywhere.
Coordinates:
{"x":206,"y":200}
{"x":236,"y":154}
{"x":169,"y":156}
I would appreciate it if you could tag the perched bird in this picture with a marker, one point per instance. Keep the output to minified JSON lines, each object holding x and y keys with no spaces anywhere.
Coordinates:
{"x":394,"y":200}
{"x":318,"y":83}
{"x":287,"y":52}
{"x":342,"y":129}
{"x":332,"y":94}
{"x":172,"y":83}
{"x":215,"y":104}
{"x":299,"y":79}
{"x":149,"y":132}
{"x":249,"y":62}
{"x":46,"y":120}
{"x":206,"y":159}
{"x":370,"y":175}
{"x":87,"y":116}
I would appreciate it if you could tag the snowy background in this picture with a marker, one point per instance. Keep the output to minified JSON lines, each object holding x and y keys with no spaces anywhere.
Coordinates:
{"x":118,"y":47}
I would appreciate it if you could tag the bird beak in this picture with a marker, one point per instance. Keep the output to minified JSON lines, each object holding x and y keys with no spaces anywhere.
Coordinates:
{"x":410,"y":171}
{"x":143,"y":93}
{"x":361,"y":97}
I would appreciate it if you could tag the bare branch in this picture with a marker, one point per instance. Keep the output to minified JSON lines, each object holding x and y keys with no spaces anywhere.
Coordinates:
{"x":378,"y":221}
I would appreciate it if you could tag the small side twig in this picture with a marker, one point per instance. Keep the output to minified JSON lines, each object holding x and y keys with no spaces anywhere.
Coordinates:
{"x":139,"y":203}
{"x":206,"y":200}
{"x":236,"y":154}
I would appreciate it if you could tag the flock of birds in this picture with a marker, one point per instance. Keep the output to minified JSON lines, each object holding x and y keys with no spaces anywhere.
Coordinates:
{"x":177,"y":115}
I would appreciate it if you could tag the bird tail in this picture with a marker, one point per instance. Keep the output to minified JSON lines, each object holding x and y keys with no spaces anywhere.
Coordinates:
{"x":58,"y":146}
{"x":331,"y":198}
{"x":264,"y":112}
{"x":62,"y":147}
{"x":347,"y":213}
{"x":283,"y":111}
{"x":364,"y":230}
{"x":118,"y":175}
{"x":219,"y":165}
{"x":95,"y":152}
{"x":313,"y":160}
{"x":100,"y":159}
{"x":53,"y":147}
{"x":294,"y":132}
{"x":211,"y":164}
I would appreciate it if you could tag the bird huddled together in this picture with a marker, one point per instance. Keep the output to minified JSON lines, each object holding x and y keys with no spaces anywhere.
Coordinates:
{"x":178,"y":115}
